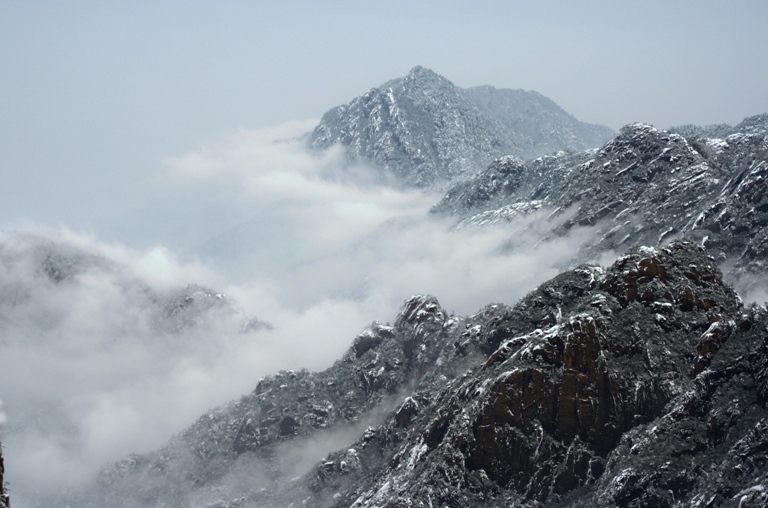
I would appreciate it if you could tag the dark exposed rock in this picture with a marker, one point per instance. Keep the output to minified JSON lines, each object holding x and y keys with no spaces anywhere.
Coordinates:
{"x":553,"y":416}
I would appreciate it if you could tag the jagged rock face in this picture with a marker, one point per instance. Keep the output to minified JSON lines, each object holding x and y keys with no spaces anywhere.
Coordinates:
{"x":641,"y":385}
{"x":617,"y":178}
{"x":734,"y":222}
{"x":425,"y":130}
{"x":541,"y":420}
{"x":644,"y":187}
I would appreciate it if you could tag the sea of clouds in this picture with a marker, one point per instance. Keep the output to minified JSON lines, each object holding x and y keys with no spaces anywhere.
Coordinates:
{"x":101,"y":357}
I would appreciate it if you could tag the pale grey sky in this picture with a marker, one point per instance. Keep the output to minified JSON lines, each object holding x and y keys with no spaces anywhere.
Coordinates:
{"x":94,"y":95}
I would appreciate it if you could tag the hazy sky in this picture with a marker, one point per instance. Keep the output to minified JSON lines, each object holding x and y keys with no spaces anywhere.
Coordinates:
{"x":95,"y":95}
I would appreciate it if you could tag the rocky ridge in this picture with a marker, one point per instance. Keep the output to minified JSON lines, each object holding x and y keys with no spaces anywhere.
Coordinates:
{"x":644,"y":187}
{"x":643,"y":384}
{"x":598,"y":389}
{"x":425,"y":130}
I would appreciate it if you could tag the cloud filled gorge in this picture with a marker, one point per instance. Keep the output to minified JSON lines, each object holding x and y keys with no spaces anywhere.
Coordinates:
{"x":311,"y":227}
{"x":108,"y":350}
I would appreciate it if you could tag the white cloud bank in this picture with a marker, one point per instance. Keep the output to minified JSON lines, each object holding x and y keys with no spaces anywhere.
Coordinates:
{"x":94,"y":360}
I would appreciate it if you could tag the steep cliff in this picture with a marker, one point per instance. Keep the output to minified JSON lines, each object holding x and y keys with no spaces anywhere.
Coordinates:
{"x":643,"y":385}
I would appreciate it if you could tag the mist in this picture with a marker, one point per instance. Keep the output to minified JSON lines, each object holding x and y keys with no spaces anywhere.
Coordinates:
{"x":275,"y":259}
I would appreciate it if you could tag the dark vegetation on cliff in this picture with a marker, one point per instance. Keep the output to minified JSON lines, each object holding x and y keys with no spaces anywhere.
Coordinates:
{"x":4,"y":501}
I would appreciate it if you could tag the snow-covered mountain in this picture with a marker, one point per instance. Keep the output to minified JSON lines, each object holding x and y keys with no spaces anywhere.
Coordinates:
{"x":425,"y":130}
{"x":643,"y":383}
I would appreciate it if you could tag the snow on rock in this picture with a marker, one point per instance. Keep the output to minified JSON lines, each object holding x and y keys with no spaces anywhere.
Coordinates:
{"x":425,"y":130}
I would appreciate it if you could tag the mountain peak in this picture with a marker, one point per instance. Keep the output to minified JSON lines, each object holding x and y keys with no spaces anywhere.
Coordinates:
{"x":418,"y":69}
{"x":427,"y":131}
{"x":419,"y":78}
{"x":422,"y":72}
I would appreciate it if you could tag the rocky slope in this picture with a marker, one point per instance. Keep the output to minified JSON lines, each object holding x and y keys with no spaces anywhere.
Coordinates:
{"x":425,"y":130}
{"x":645,"y":186}
{"x":643,"y":384}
